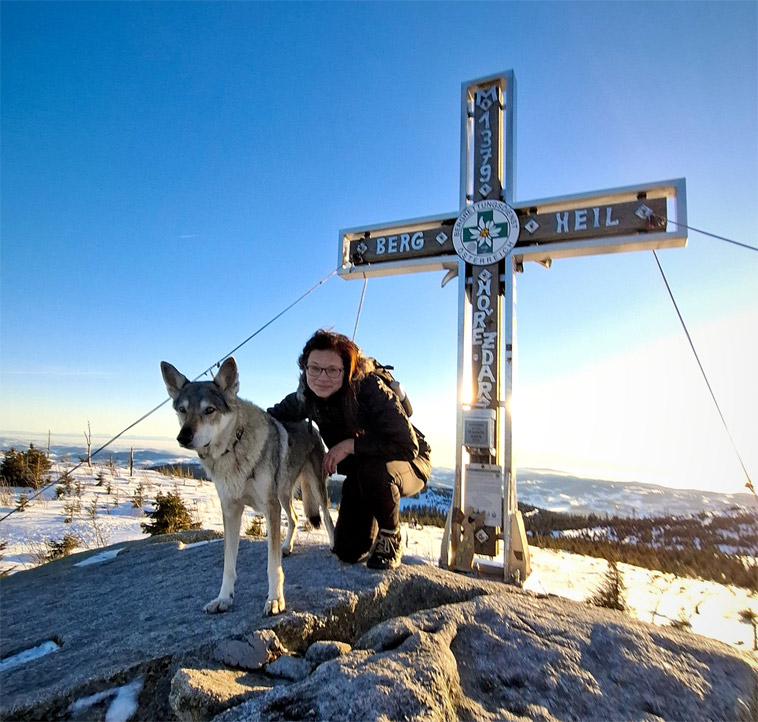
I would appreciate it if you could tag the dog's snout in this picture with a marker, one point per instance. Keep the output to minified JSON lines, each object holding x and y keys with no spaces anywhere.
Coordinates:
{"x":185,"y":437}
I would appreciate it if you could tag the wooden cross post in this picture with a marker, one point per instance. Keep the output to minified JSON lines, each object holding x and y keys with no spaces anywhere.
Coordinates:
{"x":485,"y":243}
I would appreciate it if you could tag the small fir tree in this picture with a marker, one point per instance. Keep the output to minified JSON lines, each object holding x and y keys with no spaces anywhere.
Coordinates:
{"x":257,"y":527}
{"x":3,"y":572}
{"x":138,"y":498}
{"x":170,"y":515}
{"x":23,"y":501}
{"x":65,"y":484}
{"x":748,"y":616}
{"x":611,"y":593}
{"x":24,"y":468}
{"x":62,"y":548}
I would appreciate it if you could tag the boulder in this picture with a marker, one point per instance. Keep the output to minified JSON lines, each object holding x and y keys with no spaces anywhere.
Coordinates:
{"x":198,"y":694}
{"x":251,"y":652}
{"x":512,"y":657}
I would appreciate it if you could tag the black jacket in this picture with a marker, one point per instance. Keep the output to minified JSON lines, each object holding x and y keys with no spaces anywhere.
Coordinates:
{"x":380,"y":428}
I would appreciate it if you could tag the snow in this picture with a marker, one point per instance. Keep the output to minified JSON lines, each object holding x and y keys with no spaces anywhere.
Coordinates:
{"x":28,"y":655}
{"x":124,"y":703}
{"x":711,"y":609}
{"x":101,"y":557}
{"x":183,"y":546}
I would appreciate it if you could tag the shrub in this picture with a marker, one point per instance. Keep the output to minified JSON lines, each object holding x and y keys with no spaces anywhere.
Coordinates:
{"x":611,"y":592}
{"x":748,"y":616}
{"x":170,"y":515}
{"x":256,"y":528}
{"x":6,"y":496}
{"x":25,"y":468}
{"x":71,"y":507}
{"x":180,"y":471}
{"x":138,"y":498}
{"x":65,"y":484}
{"x":23,"y":501}
{"x":4,"y":572}
{"x":62,"y":548}
{"x":682,"y":622}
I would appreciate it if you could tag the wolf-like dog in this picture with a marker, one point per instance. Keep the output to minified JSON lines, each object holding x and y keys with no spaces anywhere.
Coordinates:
{"x":253,"y":460}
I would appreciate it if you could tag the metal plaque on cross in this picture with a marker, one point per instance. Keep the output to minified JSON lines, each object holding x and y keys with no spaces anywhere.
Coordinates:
{"x":485,"y":242}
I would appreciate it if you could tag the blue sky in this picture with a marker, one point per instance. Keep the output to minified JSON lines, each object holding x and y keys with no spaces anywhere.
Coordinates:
{"x":175,"y":174}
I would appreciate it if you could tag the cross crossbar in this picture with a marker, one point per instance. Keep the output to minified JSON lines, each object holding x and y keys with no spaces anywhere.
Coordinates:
{"x":633,"y":218}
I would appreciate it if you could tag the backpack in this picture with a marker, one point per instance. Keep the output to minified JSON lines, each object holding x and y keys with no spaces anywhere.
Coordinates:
{"x":384,"y":373}
{"x":423,"y":461}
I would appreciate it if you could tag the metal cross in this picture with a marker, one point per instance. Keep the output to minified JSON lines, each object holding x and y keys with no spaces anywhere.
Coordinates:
{"x":485,"y":243}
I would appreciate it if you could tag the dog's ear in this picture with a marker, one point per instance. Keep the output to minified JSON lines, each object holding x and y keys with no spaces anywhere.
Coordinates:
{"x":174,"y":380}
{"x":227,"y":378}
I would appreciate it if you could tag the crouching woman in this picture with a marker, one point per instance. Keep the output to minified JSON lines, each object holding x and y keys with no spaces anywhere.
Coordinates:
{"x":369,"y":439}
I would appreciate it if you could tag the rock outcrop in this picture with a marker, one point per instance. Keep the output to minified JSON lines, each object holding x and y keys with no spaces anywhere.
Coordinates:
{"x":417,"y":643}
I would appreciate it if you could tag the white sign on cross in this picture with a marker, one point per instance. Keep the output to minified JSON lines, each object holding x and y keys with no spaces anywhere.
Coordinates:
{"x":485,"y":243}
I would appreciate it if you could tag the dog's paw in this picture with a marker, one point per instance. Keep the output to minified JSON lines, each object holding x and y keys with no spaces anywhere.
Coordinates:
{"x":273,"y":607}
{"x":286,"y":551}
{"x":217,"y":606}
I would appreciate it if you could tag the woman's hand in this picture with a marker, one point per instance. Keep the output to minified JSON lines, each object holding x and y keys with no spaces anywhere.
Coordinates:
{"x":337,"y":453}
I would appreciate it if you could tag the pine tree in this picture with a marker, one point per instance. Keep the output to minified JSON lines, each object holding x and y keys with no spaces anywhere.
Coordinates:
{"x":748,"y":616}
{"x":170,"y":515}
{"x":611,"y":593}
{"x":25,"y":468}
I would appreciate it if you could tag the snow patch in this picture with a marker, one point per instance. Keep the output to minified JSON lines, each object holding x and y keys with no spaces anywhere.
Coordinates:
{"x":101,"y":557}
{"x":183,"y":546}
{"x":124,"y":703}
{"x":29,"y":655}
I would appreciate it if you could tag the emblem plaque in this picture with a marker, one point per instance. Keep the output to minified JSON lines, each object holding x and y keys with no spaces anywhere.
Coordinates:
{"x":485,"y":232}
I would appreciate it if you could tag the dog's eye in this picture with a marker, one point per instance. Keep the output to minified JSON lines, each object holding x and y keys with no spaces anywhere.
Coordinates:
{"x":209,"y":411}
{"x":182,"y":409}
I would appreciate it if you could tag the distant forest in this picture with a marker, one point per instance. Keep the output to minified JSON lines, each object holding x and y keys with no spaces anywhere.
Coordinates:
{"x":720,"y":548}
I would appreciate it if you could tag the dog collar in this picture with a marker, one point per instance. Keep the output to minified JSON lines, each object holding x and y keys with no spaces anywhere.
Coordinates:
{"x":239,"y":434}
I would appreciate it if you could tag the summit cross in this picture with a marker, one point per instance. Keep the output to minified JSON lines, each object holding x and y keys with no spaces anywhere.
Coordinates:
{"x":485,"y":243}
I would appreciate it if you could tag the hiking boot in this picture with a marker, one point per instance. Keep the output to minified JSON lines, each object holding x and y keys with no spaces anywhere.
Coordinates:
{"x":387,"y":551}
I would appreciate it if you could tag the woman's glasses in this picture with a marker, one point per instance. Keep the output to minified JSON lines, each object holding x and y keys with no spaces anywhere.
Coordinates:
{"x":332,"y":372}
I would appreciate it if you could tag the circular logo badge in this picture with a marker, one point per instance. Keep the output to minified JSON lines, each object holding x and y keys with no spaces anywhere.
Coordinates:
{"x":485,"y":232}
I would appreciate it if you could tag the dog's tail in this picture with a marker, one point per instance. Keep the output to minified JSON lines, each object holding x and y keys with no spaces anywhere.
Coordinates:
{"x":310,"y":497}
{"x":313,"y":488}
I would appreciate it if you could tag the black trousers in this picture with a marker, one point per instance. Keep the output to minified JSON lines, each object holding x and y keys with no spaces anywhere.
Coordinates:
{"x":371,"y":496}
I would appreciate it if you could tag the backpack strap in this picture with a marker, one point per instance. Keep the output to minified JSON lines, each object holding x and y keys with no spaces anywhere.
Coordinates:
{"x":384,"y":373}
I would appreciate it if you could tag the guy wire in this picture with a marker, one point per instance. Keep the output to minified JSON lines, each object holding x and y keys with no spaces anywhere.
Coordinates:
{"x":706,"y":233}
{"x":165,"y":401}
{"x":360,"y":306}
{"x":748,"y":483}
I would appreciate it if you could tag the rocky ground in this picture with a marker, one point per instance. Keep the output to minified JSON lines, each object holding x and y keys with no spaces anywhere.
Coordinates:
{"x":417,"y":643}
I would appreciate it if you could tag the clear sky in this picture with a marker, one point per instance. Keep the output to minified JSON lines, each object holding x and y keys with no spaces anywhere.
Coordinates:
{"x":174,"y":174}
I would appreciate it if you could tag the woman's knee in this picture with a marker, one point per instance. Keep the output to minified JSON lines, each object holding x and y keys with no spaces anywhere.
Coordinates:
{"x":405,"y":478}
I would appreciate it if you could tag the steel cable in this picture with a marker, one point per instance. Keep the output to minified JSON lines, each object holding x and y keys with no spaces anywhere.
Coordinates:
{"x":165,"y":401}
